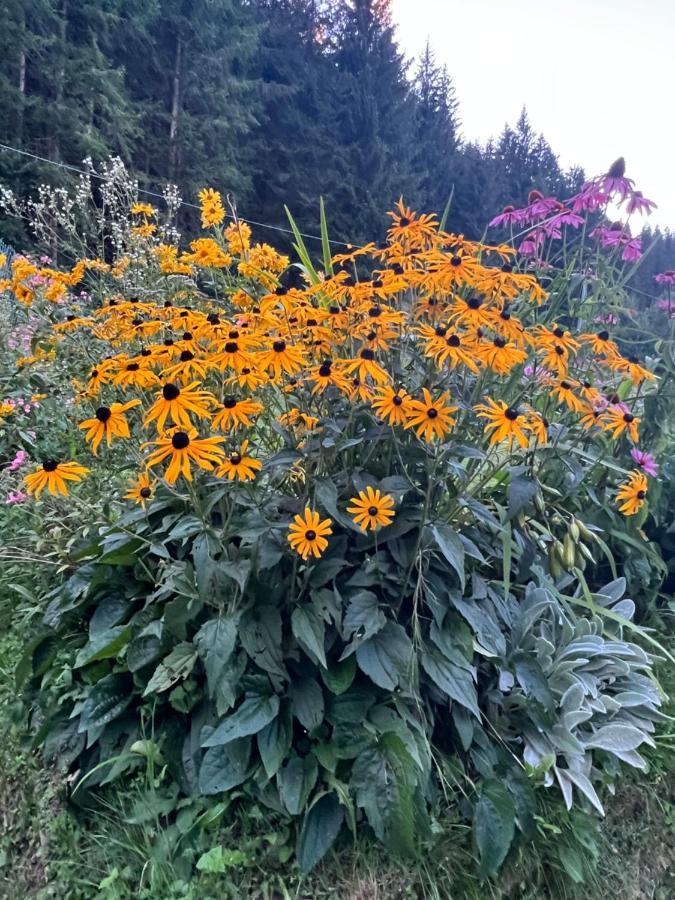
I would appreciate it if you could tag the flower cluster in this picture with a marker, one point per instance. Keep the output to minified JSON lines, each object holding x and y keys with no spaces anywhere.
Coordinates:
{"x":425,"y":335}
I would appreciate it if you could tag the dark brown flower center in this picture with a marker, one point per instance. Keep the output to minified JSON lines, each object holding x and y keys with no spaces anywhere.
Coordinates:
{"x":186,"y":356}
{"x":366,"y":353}
{"x":375,"y":311}
{"x":432,"y":412}
{"x":235,"y":459}
{"x":325,"y":370}
{"x":133,"y":367}
{"x":310,"y":535}
{"x":279,"y":346}
{"x":603,"y":335}
{"x":229,"y":402}
{"x":397,"y":401}
{"x":372,"y":510}
{"x":453,"y":341}
{"x":474,"y":302}
{"x":511,"y":414}
{"x":231,"y":347}
{"x":170,"y":391}
{"x":49,"y":465}
{"x":103,"y":413}
{"x":499,"y":342}
{"x":628,"y":418}
{"x":145,"y":492}
{"x":456,"y":261}
{"x":180,"y":440}
{"x":641,"y":495}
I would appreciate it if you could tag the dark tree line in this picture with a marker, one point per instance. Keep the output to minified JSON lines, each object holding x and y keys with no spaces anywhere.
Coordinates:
{"x":277,"y":101}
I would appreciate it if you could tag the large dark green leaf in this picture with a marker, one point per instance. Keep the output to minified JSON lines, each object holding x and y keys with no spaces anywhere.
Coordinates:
{"x":338,"y":676}
{"x":251,"y":717}
{"x":493,"y":825}
{"x":175,"y":667}
{"x":296,"y":780}
{"x":307,"y":702}
{"x":453,"y":680}
{"x":224,"y":767}
{"x":452,"y":548}
{"x":320,"y":827}
{"x":274,"y":741}
{"x":308,"y":629}
{"x":521,"y":490}
{"x":103,"y":645}
{"x":215,"y":642}
{"x":363,"y":619}
{"x":386,"y":657}
{"x":107,"y":699}
{"x":260,"y":635}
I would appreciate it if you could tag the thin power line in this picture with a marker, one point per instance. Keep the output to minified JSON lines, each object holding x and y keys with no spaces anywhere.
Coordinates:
{"x":91,"y":174}
{"x":314,"y":237}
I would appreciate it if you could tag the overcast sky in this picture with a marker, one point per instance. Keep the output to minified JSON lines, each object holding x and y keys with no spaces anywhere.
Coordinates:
{"x":597,"y":77}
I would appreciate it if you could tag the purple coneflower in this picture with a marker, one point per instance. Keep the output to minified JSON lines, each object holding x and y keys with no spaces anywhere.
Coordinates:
{"x":589,"y":199}
{"x":645,"y":461}
{"x":637,"y":202}
{"x":615,"y":181}
{"x":509,"y":216}
{"x":667,"y":277}
{"x":632,"y":252}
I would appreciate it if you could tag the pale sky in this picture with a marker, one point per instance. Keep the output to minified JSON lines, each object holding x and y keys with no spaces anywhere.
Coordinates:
{"x":597,"y":77}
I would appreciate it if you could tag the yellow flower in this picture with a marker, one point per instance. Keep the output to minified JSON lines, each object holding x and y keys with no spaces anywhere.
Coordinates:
{"x":632,"y":492}
{"x":53,"y":475}
{"x":184,"y":447}
{"x":372,"y":509}
{"x":430,"y":418}
{"x":308,"y":536}
{"x":617,"y":420}
{"x":176,"y":403}
{"x":392,"y":406}
{"x":236,"y":412}
{"x":142,"y":489}
{"x":213,"y":212}
{"x":143,"y":209}
{"x":239,"y":465}
{"x":108,"y":422}
{"x":506,"y":423}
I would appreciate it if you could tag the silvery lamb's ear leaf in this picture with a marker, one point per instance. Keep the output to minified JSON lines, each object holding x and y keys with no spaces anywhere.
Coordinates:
{"x":573,"y":697}
{"x":584,"y":785}
{"x":632,"y":758}
{"x":611,"y":592}
{"x":574,"y":718}
{"x":565,"y":786}
{"x":616,"y":737}
{"x":625,"y":608}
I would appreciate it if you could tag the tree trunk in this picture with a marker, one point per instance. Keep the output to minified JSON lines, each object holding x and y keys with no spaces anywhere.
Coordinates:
{"x":175,"y":108}
{"x":60,"y":76}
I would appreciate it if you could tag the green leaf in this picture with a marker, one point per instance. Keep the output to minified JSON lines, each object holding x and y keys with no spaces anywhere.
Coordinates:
{"x":493,"y":826}
{"x":296,"y":780}
{"x":320,"y":827}
{"x":309,"y":630}
{"x":307,"y":702}
{"x":386,"y":657}
{"x":215,"y":642}
{"x":177,"y":665}
{"x":363,"y":619}
{"x":274,"y":741}
{"x":104,"y":645}
{"x":301,"y":249}
{"x":216,"y":860}
{"x":452,"y":548}
{"x":521,"y":490}
{"x":107,"y":699}
{"x":572,"y":863}
{"x":260,"y":635}
{"x":251,"y":717}
{"x":532,"y":680}
{"x":224,"y":767}
{"x":339,"y":675}
{"x":109,"y":612}
{"x":453,"y":680}
{"x":325,"y":243}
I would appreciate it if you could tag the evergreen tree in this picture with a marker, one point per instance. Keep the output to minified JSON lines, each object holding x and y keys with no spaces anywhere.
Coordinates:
{"x":436,"y":133}
{"x":375,"y":120}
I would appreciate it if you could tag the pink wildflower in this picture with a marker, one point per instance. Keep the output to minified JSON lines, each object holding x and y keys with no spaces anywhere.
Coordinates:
{"x":15,"y":497}
{"x":645,"y":461}
{"x":615,"y":181}
{"x":667,"y":277}
{"x":18,"y":461}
